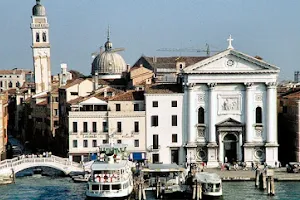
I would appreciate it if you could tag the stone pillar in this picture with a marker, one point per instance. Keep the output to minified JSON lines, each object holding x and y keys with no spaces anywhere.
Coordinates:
{"x":249,"y":112}
{"x":212,"y":113}
{"x":271,"y":123}
{"x":191,"y":124}
{"x":212,"y":147}
{"x":192,"y":117}
{"x":271,"y":113}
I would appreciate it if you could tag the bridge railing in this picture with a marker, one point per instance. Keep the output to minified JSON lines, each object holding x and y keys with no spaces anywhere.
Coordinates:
{"x":9,"y":163}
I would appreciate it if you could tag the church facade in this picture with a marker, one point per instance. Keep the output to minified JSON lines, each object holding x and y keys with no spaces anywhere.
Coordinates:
{"x":230,"y":109}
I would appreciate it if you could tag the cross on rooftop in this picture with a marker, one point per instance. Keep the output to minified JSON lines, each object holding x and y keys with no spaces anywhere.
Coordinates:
{"x":229,"y":43}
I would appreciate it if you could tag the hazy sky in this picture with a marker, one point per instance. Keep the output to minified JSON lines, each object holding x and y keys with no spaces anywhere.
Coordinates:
{"x":268,"y":28}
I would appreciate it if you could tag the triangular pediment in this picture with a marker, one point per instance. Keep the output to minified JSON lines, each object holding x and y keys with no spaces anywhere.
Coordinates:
{"x":93,"y":101}
{"x":231,"y":61}
{"x":229,"y":122}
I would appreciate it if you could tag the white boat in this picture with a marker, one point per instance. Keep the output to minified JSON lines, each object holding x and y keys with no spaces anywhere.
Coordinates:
{"x":81,"y":178}
{"x":111,"y":175}
{"x":211,"y":183}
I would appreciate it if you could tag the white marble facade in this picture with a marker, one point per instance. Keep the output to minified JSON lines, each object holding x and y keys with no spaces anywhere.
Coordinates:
{"x":230,"y":112}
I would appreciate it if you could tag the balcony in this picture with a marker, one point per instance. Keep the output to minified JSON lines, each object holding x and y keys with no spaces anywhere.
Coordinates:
{"x":127,"y":114}
{"x":152,"y":149}
{"x":87,"y":114}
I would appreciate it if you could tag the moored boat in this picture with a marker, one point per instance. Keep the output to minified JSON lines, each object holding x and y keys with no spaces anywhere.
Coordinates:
{"x":111,"y":175}
{"x":211,"y":184}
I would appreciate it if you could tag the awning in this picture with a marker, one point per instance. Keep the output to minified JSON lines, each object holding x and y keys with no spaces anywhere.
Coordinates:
{"x":137,"y":156}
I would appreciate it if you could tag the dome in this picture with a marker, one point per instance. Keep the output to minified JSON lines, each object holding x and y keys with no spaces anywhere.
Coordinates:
{"x":38,"y":9}
{"x":108,"y":63}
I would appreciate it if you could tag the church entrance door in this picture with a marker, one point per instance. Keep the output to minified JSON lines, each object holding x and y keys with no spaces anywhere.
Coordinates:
{"x":230,"y":150}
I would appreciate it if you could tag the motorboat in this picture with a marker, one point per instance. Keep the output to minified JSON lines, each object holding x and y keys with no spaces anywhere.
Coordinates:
{"x":81,"y":178}
{"x":111,"y":174}
{"x":211,"y":183}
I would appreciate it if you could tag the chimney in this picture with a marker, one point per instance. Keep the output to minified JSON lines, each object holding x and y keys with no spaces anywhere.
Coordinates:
{"x":127,"y":67}
{"x":96,"y":80}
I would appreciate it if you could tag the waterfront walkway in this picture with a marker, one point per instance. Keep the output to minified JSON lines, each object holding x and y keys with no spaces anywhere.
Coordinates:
{"x":12,"y":166}
{"x":280,"y":174}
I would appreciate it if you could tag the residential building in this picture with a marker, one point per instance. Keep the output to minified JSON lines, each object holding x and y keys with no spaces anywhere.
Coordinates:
{"x":102,"y":119}
{"x":12,"y":79}
{"x":3,"y":124}
{"x":289,"y":126}
{"x":164,"y":135}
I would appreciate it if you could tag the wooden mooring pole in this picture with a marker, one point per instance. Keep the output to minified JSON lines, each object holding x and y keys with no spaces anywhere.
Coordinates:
{"x":257,"y":173}
{"x":271,"y":183}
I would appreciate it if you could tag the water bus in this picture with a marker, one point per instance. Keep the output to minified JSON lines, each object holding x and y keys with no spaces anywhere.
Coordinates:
{"x":111,"y":174}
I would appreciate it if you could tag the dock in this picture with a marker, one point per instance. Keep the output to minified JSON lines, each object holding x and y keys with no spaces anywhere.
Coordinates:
{"x":280,"y":174}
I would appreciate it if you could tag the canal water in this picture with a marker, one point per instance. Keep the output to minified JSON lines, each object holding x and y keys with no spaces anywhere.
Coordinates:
{"x":60,"y":188}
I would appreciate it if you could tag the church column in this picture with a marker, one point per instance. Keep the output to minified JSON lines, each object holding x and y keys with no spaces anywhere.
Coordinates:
{"x":212,"y":113}
{"x":191,"y":115}
{"x":212,"y":147}
{"x":249,"y":112}
{"x":191,"y":123}
{"x":271,"y":113}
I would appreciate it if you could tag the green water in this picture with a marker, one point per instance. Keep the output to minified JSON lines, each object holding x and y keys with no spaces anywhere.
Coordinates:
{"x":60,"y":188}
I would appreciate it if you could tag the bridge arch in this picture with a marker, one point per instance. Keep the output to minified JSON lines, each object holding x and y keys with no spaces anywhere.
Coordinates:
{"x":19,"y":164}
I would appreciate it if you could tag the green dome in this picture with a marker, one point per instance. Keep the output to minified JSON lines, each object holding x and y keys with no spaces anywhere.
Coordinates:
{"x":38,"y":9}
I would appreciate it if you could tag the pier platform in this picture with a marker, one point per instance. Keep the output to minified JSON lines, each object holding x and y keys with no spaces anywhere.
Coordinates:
{"x":280,"y":174}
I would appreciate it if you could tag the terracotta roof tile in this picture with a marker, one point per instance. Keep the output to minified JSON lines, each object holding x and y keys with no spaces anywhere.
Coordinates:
{"x":70,"y":83}
{"x":14,"y":71}
{"x":131,"y":95}
{"x":163,"y":89}
{"x":170,"y":62}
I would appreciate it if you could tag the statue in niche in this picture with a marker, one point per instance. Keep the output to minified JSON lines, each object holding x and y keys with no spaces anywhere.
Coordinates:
{"x":230,"y":104}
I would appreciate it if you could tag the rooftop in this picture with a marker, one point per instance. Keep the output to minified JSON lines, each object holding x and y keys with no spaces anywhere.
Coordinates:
{"x":163,"y":89}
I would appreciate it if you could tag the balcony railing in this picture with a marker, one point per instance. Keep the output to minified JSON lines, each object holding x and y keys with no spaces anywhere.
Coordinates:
{"x":152,"y":148}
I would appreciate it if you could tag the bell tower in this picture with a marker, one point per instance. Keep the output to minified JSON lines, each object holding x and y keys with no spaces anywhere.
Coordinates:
{"x":40,"y":48}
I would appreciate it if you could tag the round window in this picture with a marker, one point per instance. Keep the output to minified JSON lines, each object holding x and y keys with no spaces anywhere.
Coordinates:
{"x":201,"y":154}
{"x":259,"y":153}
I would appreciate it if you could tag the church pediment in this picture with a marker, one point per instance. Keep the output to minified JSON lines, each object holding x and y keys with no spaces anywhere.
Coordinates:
{"x":229,"y":122}
{"x":231,"y":61}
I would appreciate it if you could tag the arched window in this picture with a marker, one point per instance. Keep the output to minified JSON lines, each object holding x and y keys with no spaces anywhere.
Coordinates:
{"x":10,"y":84}
{"x":258,"y":115}
{"x":37,"y":35}
{"x":44,"y":37}
{"x":18,"y":84}
{"x":200,"y":115}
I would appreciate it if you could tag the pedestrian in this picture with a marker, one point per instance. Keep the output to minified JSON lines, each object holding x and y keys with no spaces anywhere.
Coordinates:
{"x":252,"y":166}
{"x":279,"y":164}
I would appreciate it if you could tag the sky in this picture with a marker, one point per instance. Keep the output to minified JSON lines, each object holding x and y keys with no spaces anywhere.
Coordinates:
{"x":268,"y":28}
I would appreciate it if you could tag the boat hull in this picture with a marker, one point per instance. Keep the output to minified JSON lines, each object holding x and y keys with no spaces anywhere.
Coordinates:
{"x":123,"y":194}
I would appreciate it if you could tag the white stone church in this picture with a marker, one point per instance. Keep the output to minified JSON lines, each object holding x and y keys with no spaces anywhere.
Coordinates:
{"x":230,"y":110}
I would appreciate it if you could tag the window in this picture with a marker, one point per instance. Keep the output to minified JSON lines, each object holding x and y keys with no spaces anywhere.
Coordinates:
{"x":56,"y":123}
{"x":85,"y":143}
{"x":104,"y":127}
{"x":94,"y":127}
{"x":174,"y":103}
{"x":136,"y":127}
{"x":74,"y":93}
{"x":75,"y":127}
{"x":104,"y":141}
{"x":74,"y":143}
{"x":174,"y":120}
{"x":136,"y":143}
{"x":1,"y":84}
{"x":154,"y":120}
{"x":18,"y":84}
{"x":119,"y":141}
{"x":85,"y":127}
{"x":154,"y":103}
{"x":155,"y":141}
{"x":136,"y":107}
{"x":200,"y":115}
{"x":155,"y":158}
{"x":118,"y":107}
{"x":10,"y":84}
{"x":55,"y":112}
{"x":119,"y":127}
{"x":37,"y":37}
{"x":174,"y":138}
{"x":44,"y":37}
{"x":258,"y":115}
{"x":94,"y":143}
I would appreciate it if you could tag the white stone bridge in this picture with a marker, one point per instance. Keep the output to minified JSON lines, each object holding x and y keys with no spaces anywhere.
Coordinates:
{"x":9,"y":166}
